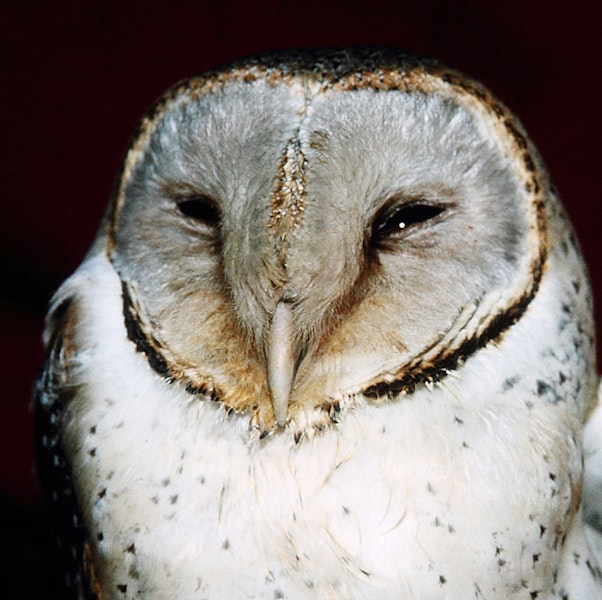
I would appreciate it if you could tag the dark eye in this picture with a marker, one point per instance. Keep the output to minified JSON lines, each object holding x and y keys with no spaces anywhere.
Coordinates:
{"x":200,"y":208}
{"x":395,"y":223}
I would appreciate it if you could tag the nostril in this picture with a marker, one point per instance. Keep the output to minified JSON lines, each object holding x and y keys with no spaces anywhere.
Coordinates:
{"x":288,"y":297}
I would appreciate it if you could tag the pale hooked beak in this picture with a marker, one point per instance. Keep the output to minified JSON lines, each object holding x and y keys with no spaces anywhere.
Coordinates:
{"x":281,"y":360}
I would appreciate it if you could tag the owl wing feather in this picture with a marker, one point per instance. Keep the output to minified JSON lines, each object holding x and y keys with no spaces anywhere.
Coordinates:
{"x":592,"y":486}
{"x":51,"y":394}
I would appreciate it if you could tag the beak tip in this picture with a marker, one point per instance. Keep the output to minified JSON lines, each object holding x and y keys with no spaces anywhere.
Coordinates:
{"x":280,"y":406}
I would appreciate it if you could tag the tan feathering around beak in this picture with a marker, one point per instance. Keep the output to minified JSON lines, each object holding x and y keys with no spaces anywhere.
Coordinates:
{"x":281,"y":360}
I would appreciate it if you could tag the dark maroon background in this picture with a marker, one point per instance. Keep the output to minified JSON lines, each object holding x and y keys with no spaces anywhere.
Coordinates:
{"x":79,"y":74}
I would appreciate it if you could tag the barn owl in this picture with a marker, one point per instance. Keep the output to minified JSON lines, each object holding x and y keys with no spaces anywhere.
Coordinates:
{"x":333,"y":340}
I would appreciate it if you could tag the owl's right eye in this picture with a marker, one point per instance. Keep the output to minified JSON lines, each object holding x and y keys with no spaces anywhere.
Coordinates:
{"x":397,"y":223}
{"x":200,"y":208}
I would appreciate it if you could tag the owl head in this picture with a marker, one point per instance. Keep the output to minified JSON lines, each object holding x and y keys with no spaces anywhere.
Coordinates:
{"x":298,"y":230}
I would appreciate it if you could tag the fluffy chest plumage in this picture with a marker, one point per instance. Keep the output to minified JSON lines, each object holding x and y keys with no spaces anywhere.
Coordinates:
{"x":431,"y":495}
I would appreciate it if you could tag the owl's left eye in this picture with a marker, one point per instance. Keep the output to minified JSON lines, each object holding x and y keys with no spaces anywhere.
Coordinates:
{"x":395,"y":223}
{"x":200,"y":208}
